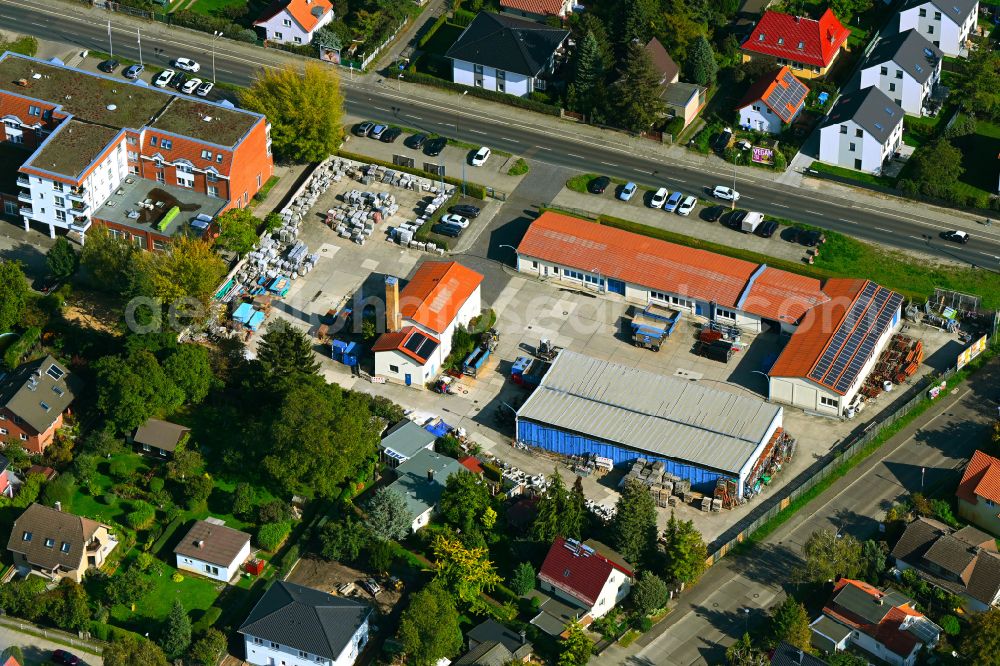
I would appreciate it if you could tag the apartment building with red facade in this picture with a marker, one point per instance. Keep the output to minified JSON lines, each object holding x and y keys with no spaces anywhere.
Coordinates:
{"x":140,"y":161}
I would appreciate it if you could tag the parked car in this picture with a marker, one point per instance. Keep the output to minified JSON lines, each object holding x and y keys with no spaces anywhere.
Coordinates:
{"x":109,"y":65}
{"x":627,"y":191}
{"x":735,"y":219}
{"x":363,"y":129}
{"x":391,"y":134}
{"x":133,"y":71}
{"x":598,"y":185}
{"x":955,"y":236}
{"x":447,"y":230}
{"x":807,"y":237}
{"x":178,"y":80}
{"x":371,"y":586}
{"x":190,"y":85}
{"x":456,"y":220}
{"x":415,"y":141}
{"x":186,"y":64}
{"x":479,"y":159}
{"x":767,"y":229}
{"x":659,"y":198}
{"x":434,"y":147}
{"x":673,"y":201}
{"x":467,"y":210}
{"x":687,"y":206}
{"x":204,"y":89}
{"x":713,"y":213}
{"x":725,"y":193}
{"x":162,"y":80}
{"x":65,"y":658}
{"x":723,"y":140}
{"x":377,"y":131}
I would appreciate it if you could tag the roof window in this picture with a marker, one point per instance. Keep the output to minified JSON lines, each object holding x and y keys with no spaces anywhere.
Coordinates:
{"x":65,"y":547}
{"x":760,"y":37}
{"x":26,"y":536}
{"x":801,"y":46}
{"x":49,"y":543}
{"x":55,"y":372}
{"x":781,"y":40}
{"x":878,"y":126}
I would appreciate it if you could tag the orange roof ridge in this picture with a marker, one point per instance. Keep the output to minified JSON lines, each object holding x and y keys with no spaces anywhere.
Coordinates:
{"x":437,"y":292}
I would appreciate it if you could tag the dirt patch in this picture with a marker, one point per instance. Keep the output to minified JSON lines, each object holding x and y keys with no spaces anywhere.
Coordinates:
{"x":92,"y":310}
{"x":329,"y":576}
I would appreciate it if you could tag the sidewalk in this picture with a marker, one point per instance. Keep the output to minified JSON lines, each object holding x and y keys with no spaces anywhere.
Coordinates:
{"x":39,"y":643}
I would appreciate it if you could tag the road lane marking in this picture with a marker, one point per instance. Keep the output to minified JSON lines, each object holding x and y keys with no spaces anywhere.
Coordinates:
{"x":410,"y":115}
{"x":779,"y":205}
{"x":844,"y":219}
{"x":579,"y":157}
{"x":474,"y":131}
{"x":610,"y":164}
{"x":811,"y":212}
{"x":883,"y":230}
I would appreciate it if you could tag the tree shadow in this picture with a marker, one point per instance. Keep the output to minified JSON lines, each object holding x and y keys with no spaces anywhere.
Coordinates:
{"x":31,"y":257}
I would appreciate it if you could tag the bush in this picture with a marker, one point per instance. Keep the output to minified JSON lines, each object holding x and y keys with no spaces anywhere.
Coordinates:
{"x":414,"y":76}
{"x":155,"y":484}
{"x":274,"y":511}
{"x":12,"y":357}
{"x":644,"y":624}
{"x":463,"y":17}
{"x":519,"y":168}
{"x":207,"y":619}
{"x":60,"y":490}
{"x":121,"y":469}
{"x":144,"y":561}
{"x":270,"y":536}
{"x":141,"y":516}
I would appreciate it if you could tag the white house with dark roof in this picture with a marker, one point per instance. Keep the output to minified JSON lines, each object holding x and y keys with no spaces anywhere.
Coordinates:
{"x":862,"y":131}
{"x":906,"y":67}
{"x":505,"y":54}
{"x":947,"y":24}
{"x":293,"y":625}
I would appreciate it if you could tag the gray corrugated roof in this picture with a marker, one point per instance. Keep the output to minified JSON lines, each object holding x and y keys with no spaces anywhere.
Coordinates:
{"x":507,"y":43}
{"x":956,"y":10}
{"x":407,"y":438}
{"x":419,"y":492}
{"x":909,"y":50}
{"x":306,"y":619}
{"x":665,"y":416}
{"x":871,"y":109}
{"x":35,"y":395}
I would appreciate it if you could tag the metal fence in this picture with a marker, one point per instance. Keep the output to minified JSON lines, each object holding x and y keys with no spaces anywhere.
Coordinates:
{"x":846,"y":452}
{"x":73,"y":640}
{"x":367,"y":58}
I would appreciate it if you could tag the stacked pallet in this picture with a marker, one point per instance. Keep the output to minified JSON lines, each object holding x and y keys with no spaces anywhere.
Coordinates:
{"x":899,"y":361}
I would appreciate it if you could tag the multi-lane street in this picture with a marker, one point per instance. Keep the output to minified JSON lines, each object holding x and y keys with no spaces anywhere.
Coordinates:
{"x":913,"y":227}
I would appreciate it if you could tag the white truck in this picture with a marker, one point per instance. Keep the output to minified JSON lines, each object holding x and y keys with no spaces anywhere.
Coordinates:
{"x":751,"y":221}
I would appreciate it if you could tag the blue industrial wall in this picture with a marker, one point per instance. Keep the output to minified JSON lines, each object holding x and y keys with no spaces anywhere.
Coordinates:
{"x":567,"y":443}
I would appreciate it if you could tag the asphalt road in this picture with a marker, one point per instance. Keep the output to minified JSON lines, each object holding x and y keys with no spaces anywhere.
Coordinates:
{"x":912,"y":228}
{"x":736,"y":594}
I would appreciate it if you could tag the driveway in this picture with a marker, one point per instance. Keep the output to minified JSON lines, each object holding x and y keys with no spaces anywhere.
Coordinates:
{"x":37,"y":650}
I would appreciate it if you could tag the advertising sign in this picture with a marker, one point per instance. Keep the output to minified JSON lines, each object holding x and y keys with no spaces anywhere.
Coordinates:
{"x":977,"y":348}
{"x":763,"y":155}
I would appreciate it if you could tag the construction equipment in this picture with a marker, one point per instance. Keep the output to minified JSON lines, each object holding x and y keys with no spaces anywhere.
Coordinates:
{"x":475,"y":361}
{"x":546,"y":350}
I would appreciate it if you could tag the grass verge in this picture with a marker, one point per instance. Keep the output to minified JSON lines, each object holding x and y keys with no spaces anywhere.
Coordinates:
{"x":519,"y":168}
{"x":629,"y":637}
{"x":850,"y":174}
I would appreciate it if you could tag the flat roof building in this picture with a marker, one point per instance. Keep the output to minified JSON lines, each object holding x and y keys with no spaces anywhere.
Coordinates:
{"x":585,"y":405}
{"x":138,"y":160}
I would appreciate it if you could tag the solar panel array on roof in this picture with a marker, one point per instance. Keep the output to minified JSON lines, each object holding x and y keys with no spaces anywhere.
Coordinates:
{"x":853,"y":344}
{"x":786,"y":94}
{"x":420,"y":344}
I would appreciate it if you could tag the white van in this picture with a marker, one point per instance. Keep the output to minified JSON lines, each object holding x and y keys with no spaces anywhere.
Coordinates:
{"x":750,"y":222}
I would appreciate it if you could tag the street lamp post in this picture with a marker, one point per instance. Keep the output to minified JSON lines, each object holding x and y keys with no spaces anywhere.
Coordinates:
{"x":215,"y":36}
{"x":464,"y":93}
{"x":734,"y":185}
{"x":516,"y":255}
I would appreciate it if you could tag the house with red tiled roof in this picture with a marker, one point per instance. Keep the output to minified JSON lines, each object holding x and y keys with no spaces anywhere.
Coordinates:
{"x":421,"y":319}
{"x":838,"y":327}
{"x":581,"y":577}
{"x":294,"y":21}
{"x":979,"y":492}
{"x":537,"y":10}
{"x":807,"y":46}
{"x":885,"y":624}
{"x":772,"y":102}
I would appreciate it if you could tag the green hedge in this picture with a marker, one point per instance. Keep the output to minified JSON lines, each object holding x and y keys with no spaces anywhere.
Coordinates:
{"x":198,"y":21}
{"x":429,"y":35}
{"x":463,"y":17}
{"x":474,"y":190}
{"x":12,"y":357}
{"x":208,"y":618}
{"x":414,"y":76}
{"x":270,"y":536}
{"x":168,"y":532}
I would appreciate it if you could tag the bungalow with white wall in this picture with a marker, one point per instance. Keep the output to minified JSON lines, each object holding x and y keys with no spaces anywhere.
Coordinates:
{"x":213,"y":550}
{"x":295,"y":21}
{"x":421,"y":481}
{"x":422,"y":318}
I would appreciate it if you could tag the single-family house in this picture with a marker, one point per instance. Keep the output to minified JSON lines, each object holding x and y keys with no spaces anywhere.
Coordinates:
{"x":33,"y":399}
{"x":947,"y":24}
{"x":506,"y":54}
{"x":787,"y":654}
{"x":862,"y":131}
{"x":422,"y":318}
{"x":294,"y":625}
{"x":294,"y":21}
{"x":963,"y":562}
{"x":403,"y":441}
{"x":160,"y":438}
{"x":421,"y":480}
{"x":979,"y":492}
{"x":885,"y":624}
{"x":683,"y":100}
{"x":906,"y":67}
{"x":537,"y":10}
{"x":8,"y":482}
{"x":772,"y":102}
{"x":809,"y":47}
{"x":213,"y":550}
{"x":55,"y":544}
{"x":580,"y":576}
{"x":492,"y":644}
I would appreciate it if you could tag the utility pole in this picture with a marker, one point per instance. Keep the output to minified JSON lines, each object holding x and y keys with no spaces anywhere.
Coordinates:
{"x":138,"y":39}
{"x":111,"y":47}
{"x":216,"y":34}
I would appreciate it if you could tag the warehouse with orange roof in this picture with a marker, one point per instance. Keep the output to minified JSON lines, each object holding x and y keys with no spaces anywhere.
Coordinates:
{"x":837,"y":329}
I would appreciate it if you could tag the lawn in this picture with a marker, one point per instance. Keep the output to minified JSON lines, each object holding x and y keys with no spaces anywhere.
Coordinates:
{"x":870,"y":179}
{"x":207,"y":7}
{"x":103,"y":505}
{"x":196,"y":593}
{"x":979,"y":159}
{"x":923,"y":130}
